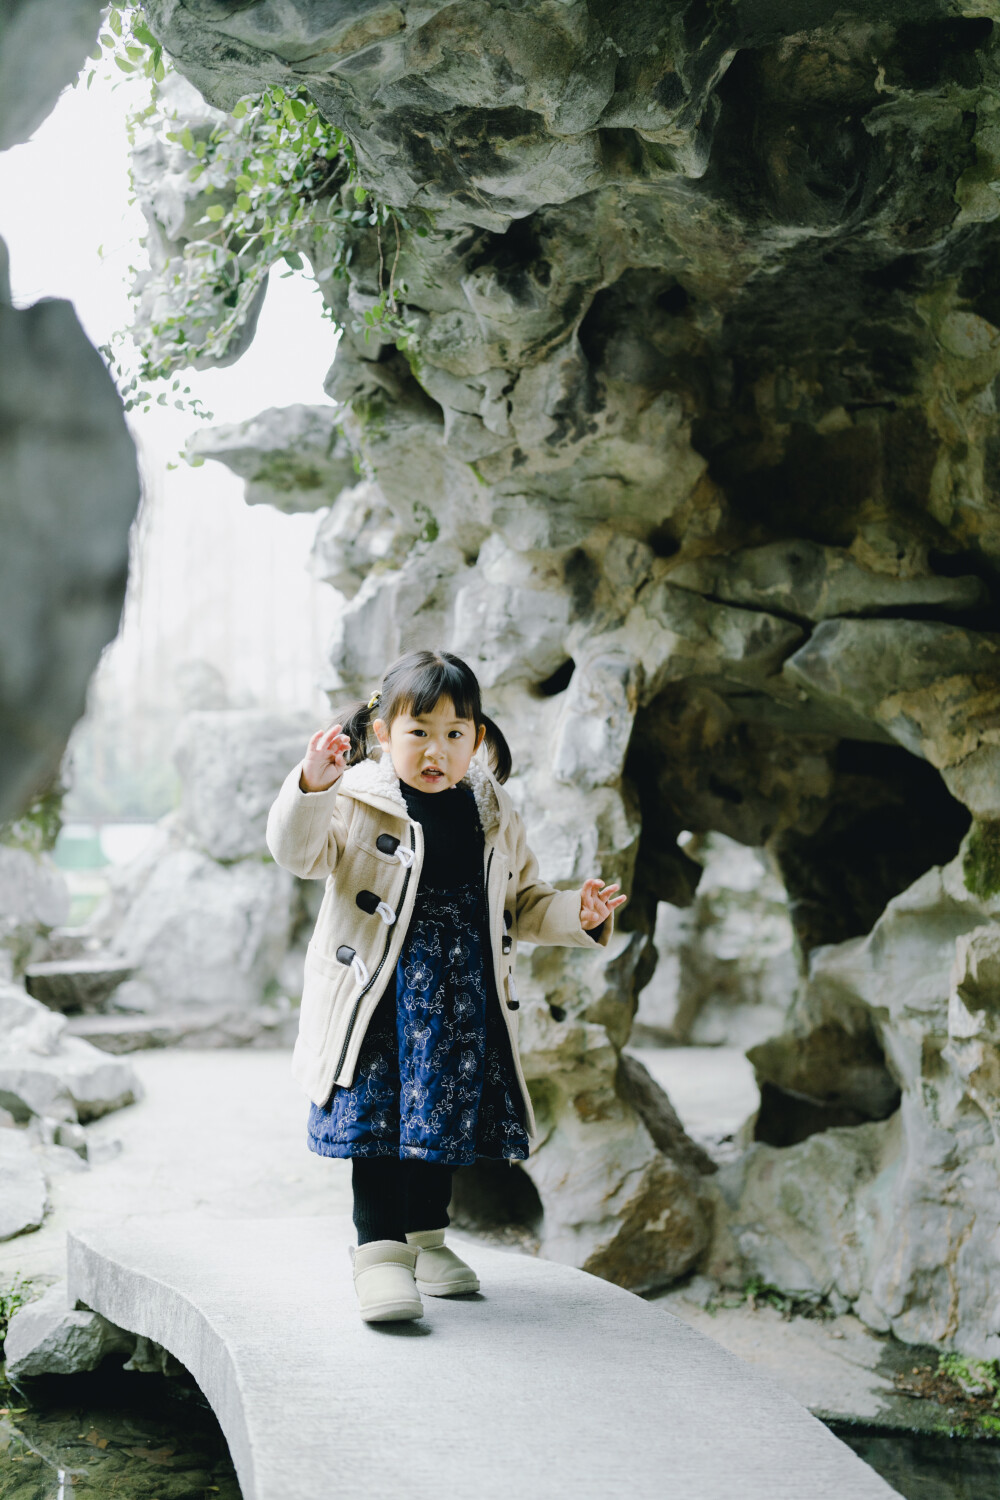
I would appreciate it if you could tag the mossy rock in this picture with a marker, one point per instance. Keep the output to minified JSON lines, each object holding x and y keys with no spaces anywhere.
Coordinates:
{"x":981,"y":858}
{"x":38,"y":826}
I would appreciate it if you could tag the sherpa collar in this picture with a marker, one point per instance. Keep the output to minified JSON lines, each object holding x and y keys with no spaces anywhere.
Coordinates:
{"x":376,"y":780}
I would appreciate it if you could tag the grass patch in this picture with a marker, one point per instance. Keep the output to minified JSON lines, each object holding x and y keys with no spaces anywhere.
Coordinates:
{"x":757,"y":1293}
{"x":969,"y":1388}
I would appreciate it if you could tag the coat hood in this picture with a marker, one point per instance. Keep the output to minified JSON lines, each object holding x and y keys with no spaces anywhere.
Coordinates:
{"x":376,"y":782}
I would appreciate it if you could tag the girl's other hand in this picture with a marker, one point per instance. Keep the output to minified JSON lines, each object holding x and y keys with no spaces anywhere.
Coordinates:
{"x":325,"y":758}
{"x":597,"y":903}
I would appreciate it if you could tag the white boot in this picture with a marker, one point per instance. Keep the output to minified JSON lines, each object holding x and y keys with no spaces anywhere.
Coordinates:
{"x":383,"y":1280}
{"x":440,"y":1272}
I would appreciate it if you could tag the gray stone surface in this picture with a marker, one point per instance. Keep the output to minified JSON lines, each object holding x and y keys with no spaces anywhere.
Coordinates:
{"x":893,"y":1209}
{"x":586,"y":1391}
{"x":49,"y":1337}
{"x":68,"y":492}
{"x":201,"y":932}
{"x":726,"y":966}
{"x":231,"y":763}
{"x":691,"y":447}
{"x":813,"y":582}
{"x":175,"y":1151}
{"x":23,"y":1199}
{"x":75,"y":1082}
{"x":307,"y":474}
{"x":80,"y":984}
{"x":42,"y":45}
{"x":34,"y":896}
{"x":47,"y":1073}
{"x":204,"y":1026}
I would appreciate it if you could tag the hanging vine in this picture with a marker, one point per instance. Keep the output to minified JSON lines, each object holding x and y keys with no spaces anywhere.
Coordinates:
{"x":276,"y":183}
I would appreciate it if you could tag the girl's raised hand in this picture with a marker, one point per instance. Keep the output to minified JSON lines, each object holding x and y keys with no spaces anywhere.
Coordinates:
{"x":325,"y":758}
{"x":597,"y":902}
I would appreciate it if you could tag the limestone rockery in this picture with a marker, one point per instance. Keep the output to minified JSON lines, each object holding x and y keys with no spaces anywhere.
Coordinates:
{"x":692,"y":451}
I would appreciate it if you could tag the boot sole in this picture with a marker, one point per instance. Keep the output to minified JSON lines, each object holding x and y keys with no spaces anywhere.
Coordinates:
{"x":391,"y":1312}
{"x":446,"y":1288}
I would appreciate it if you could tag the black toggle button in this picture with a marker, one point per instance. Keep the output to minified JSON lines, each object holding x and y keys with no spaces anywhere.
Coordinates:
{"x":387,"y":843}
{"x":345,"y":954}
{"x":513,"y":1005}
{"x":508,"y":919}
{"x":506,"y":942}
{"x":368,"y":901}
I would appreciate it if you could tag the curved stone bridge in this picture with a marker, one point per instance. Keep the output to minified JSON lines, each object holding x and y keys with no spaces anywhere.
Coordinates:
{"x":551,"y":1383}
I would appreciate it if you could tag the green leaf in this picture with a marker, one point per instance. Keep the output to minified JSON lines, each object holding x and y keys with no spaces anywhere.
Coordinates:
{"x":244,"y":182}
{"x":294,"y":259}
{"x":106,"y":40}
{"x":126,"y":67}
{"x":360,"y":194}
{"x":187,"y":139}
{"x":115,"y":21}
{"x":243,"y":203}
{"x":159,"y":72}
{"x":298,"y":109}
{"x":239,"y":110}
{"x":143,"y":34}
{"x":214,"y":212}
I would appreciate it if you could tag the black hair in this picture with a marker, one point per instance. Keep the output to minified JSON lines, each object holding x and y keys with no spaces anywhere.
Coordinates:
{"x":413,"y":685}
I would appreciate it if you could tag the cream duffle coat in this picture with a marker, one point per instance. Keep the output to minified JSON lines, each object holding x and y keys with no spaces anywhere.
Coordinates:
{"x":359,"y":835}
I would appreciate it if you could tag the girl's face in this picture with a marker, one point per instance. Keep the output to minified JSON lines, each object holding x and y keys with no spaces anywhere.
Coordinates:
{"x":432,"y":752}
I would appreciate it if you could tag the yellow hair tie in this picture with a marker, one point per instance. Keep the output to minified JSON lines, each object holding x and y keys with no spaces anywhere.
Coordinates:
{"x":374,"y":700}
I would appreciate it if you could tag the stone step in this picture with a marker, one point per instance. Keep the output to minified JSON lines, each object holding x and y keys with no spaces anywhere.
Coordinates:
{"x":549,"y":1384}
{"x":77,"y":984}
{"x":208,"y":1026}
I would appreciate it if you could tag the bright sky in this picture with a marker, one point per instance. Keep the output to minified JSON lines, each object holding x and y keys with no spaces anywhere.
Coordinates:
{"x":219,"y":579}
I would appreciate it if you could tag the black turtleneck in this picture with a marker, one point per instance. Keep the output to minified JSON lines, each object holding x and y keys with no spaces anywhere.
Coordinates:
{"x":453,"y":837}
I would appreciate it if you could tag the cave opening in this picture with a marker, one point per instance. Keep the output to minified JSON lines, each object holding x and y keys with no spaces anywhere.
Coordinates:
{"x":499,"y":1200}
{"x":890,"y":817}
{"x":758,"y":846}
{"x":558,"y":681}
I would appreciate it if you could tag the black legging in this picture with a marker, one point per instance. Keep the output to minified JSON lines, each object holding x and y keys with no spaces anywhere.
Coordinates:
{"x":394,"y":1195}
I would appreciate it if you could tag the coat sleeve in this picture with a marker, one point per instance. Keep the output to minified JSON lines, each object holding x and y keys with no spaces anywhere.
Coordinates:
{"x":307,"y":831}
{"x":545,"y":915}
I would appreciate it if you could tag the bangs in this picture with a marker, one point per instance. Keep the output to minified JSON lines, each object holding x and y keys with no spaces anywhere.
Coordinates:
{"x":424,"y":684}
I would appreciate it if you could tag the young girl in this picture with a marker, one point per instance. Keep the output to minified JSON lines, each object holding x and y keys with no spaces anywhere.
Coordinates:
{"x":407,"y":1041}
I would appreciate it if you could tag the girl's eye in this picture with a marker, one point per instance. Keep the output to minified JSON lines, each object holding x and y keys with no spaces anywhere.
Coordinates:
{"x":459,"y":732}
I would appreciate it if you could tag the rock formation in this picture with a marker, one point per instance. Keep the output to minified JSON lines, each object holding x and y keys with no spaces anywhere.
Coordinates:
{"x":690,"y":447}
{"x":199,"y":940}
{"x":69,"y":484}
{"x":727,"y":966}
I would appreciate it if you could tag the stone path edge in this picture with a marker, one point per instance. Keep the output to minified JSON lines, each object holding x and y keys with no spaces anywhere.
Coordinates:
{"x":169,"y":1317}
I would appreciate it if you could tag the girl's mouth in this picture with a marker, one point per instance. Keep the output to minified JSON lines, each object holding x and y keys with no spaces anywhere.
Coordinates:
{"x":432,"y":775}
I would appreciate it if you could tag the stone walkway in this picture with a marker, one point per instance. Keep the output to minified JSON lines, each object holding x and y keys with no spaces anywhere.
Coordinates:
{"x":549,"y":1384}
{"x":220,"y":1131}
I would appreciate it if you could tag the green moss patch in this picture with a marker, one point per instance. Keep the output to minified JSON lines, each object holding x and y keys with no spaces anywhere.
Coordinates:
{"x":38,"y":826}
{"x":981,"y":859}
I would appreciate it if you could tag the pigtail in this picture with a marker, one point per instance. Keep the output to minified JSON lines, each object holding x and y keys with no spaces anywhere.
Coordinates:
{"x":355,"y":721}
{"x":498,"y":748}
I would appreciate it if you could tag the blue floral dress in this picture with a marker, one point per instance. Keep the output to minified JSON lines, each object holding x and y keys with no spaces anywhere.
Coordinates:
{"x":435,"y":1076}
